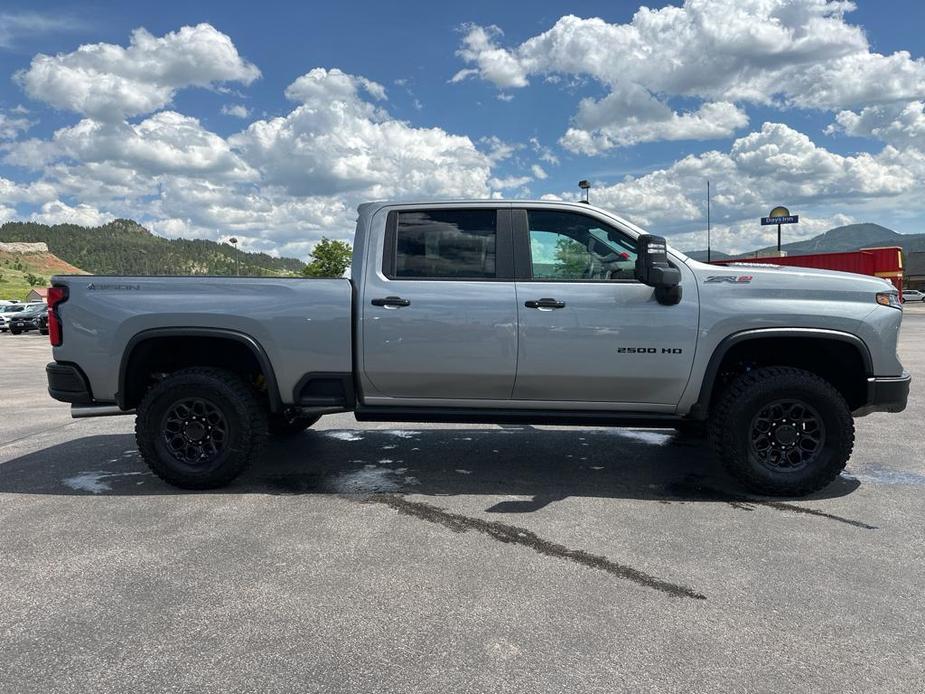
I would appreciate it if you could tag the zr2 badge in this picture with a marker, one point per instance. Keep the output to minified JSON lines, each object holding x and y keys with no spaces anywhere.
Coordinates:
{"x":730,"y":279}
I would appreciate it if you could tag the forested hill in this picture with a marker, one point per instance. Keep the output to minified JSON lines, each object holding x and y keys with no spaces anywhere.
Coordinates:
{"x":124,"y":247}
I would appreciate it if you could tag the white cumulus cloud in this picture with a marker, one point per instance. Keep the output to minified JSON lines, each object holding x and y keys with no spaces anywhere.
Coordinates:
{"x":773,"y":165}
{"x":336,"y":141}
{"x":12,"y":125}
{"x":110,"y":82}
{"x":630,"y":115}
{"x":279,"y":184}
{"x":167,"y":142}
{"x":801,"y":53}
{"x":58,"y":212}
{"x":901,"y":124}
{"x":236,"y":110}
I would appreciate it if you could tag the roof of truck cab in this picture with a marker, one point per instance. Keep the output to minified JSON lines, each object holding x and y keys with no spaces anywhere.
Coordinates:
{"x":369,"y":207}
{"x":478,"y":201}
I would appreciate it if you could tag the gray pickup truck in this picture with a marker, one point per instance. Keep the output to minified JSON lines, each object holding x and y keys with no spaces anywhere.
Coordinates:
{"x":488,"y":311}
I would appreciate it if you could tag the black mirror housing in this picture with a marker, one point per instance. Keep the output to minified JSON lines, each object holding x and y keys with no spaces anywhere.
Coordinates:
{"x":654,"y":270}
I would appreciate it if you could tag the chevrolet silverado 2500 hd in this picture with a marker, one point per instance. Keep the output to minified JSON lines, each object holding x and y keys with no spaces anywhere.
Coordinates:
{"x":491,"y":311}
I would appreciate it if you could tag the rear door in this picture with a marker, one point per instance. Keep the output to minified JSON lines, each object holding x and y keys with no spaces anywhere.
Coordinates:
{"x":589,"y":332}
{"x":439,"y":311}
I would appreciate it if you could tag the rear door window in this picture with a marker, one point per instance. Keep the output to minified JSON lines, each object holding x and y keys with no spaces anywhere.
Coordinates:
{"x":445,"y":244}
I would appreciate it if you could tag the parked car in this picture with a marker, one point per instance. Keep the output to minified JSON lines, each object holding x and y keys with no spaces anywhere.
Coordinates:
{"x":489,"y":311}
{"x":10,"y":310}
{"x":913,"y":295}
{"x":35,"y":318}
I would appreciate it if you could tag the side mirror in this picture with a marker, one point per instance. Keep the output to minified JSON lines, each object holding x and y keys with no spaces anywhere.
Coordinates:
{"x":654,"y":270}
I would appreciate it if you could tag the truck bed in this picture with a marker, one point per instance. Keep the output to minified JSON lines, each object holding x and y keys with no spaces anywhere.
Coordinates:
{"x":303,"y":325}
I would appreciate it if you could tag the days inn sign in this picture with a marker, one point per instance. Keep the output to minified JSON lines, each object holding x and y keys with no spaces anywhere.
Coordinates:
{"x":780,"y":215}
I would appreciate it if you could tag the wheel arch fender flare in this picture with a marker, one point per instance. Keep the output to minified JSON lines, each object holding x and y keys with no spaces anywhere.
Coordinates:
{"x":700,"y":409}
{"x":260,"y":354}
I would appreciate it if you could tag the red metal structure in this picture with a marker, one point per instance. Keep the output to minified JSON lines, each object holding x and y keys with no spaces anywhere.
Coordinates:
{"x":886,"y":262}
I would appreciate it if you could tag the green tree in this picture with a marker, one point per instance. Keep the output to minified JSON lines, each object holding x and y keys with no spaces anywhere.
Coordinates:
{"x":32,"y":279}
{"x":329,"y":259}
{"x":571,"y":258}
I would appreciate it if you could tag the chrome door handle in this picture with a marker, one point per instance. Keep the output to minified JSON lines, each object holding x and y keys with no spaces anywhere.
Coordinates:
{"x":391,"y":302}
{"x":545,"y":304}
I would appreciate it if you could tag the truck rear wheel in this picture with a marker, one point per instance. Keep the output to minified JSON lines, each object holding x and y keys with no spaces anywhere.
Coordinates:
{"x":200,"y":428}
{"x":782,"y":431}
{"x":288,"y":424}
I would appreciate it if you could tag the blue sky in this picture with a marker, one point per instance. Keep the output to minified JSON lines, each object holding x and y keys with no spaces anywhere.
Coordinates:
{"x":808,"y":103}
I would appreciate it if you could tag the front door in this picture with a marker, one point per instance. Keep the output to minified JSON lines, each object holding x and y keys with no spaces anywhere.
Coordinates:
{"x":440,"y":314}
{"x":588,"y":331}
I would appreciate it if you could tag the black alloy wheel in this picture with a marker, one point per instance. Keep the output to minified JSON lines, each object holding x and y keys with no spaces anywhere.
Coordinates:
{"x":787,"y":435}
{"x":195,"y":431}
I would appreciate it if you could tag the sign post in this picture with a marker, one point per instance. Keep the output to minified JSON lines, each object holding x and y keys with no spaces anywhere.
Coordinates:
{"x":780,"y":215}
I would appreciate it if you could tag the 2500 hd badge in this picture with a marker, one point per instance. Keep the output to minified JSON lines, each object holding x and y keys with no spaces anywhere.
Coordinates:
{"x":649,"y":350}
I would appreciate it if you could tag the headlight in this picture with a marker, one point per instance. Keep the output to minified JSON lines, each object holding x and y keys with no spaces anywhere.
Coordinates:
{"x":890,"y":299}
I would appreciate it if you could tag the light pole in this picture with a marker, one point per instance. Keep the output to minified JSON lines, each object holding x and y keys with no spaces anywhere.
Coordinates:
{"x":585,"y":186}
{"x":234,"y":244}
{"x":708,"y":220}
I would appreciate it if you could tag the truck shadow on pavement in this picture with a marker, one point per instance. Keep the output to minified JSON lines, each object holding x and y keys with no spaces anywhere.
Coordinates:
{"x":520,"y":468}
{"x":527,"y":468}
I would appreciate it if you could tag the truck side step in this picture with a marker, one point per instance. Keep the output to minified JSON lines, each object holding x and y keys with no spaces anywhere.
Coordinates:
{"x":466,"y":415}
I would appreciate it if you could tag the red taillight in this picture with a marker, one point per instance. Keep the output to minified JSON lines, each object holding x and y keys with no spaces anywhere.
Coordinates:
{"x":56,"y":295}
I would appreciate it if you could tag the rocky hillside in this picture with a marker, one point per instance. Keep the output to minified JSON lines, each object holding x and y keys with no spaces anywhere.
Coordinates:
{"x":22,"y":268}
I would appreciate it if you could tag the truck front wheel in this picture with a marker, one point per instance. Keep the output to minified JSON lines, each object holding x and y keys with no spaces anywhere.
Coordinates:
{"x":199,"y":428}
{"x":782,"y":431}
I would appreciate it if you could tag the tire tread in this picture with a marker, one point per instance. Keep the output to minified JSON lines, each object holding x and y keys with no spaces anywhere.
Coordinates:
{"x":722,"y":434}
{"x":254,"y":413}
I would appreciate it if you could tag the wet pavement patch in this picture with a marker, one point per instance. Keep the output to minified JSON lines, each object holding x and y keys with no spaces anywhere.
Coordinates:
{"x":881,"y":474}
{"x":511,"y":534}
{"x":95,"y":481}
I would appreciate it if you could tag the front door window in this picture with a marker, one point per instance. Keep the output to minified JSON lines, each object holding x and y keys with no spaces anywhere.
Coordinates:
{"x":570,"y":246}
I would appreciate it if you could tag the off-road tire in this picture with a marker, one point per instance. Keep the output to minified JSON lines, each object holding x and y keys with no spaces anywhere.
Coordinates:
{"x":281,"y":424}
{"x":15,"y":331}
{"x":731,"y":430}
{"x":244,"y":427}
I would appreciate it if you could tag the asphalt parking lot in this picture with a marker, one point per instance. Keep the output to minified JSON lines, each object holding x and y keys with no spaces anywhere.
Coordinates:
{"x":453,"y":559}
